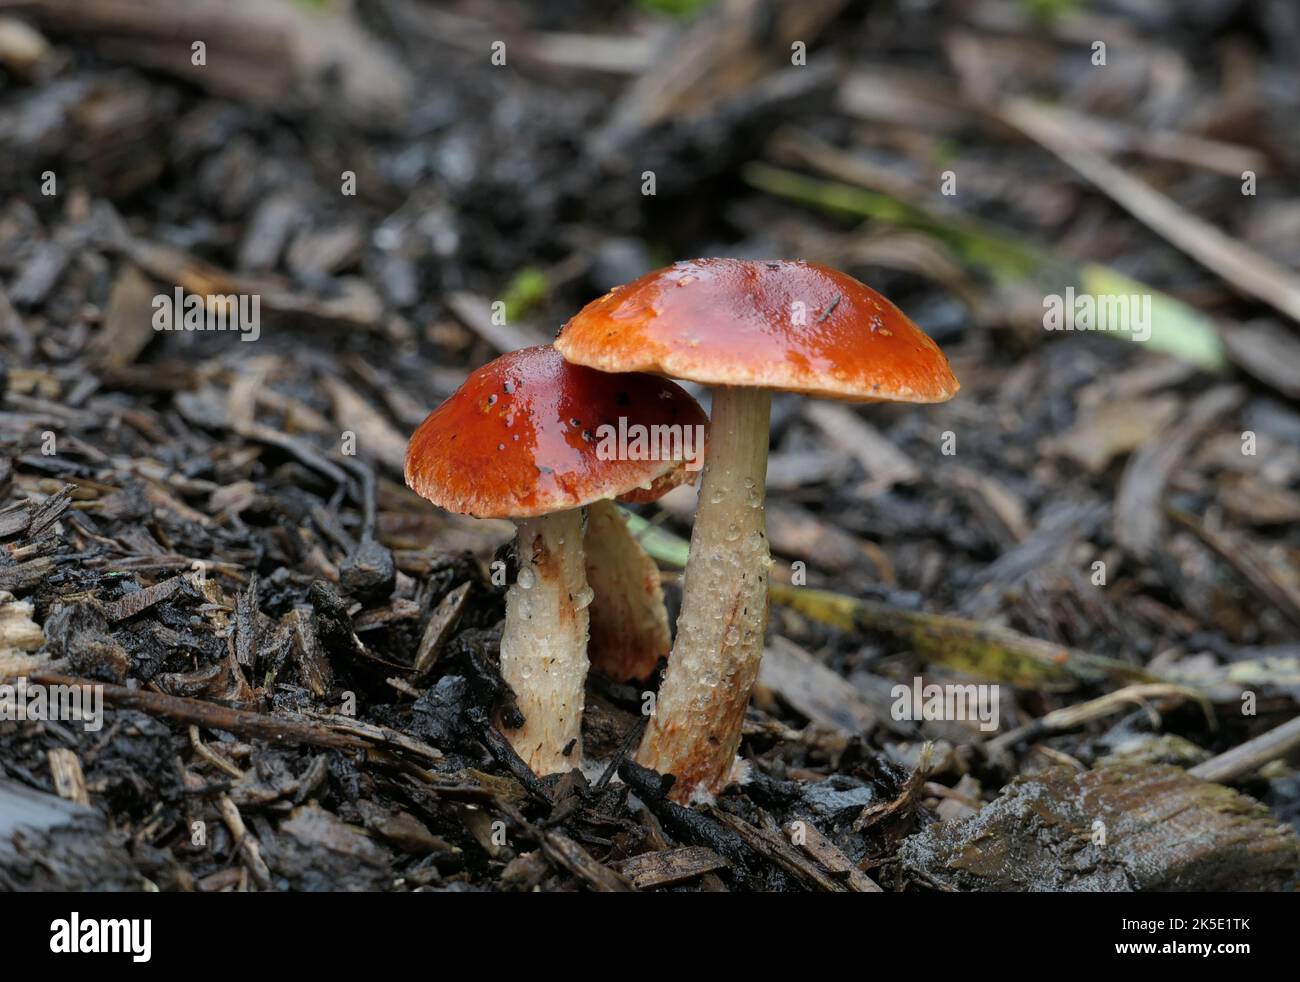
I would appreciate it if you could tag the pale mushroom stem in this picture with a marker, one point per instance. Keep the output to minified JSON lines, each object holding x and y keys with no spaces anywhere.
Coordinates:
{"x":629,"y":622}
{"x":544,"y":642}
{"x":695,"y":731}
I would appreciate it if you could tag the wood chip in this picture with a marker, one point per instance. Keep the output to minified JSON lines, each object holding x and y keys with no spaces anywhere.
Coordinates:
{"x":771,"y":845}
{"x":806,"y":835}
{"x":18,"y":632}
{"x":669,"y":866}
{"x":476,"y":314}
{"x":49,"y":511}
{"x":564,"y":852}
{"x":1115,"y":428}
{"x":884,"y":463}
{"x":141,"y":600}
{"x":1139,"y":515}
{"x":442,"y":622}
{"x":1276,"y":585}
{"x":377,"y":438}
{"x":813,"y":689}
{"x":65,"y":769}
{"x":797,"y":532}
{"x":128,"y":324}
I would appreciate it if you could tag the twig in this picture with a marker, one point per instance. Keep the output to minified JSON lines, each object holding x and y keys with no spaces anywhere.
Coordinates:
{"x":1069,"y":717}
{"x":255,"y":725}
{"x":1251,"y":755}
{"x":245,"y":842}
{"x":632,"y":738}
{"x":211,"y":756}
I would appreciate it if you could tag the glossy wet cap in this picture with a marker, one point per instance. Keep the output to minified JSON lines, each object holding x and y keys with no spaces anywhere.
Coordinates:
{"x":782,"y":324}
{"x":523,"y":437}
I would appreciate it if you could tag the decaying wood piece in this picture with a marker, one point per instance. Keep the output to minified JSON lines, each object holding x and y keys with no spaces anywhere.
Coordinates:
{"x":139,"y":601}
{"x":375,"y":435}
{"x":884,"y":463}
{"x":47,"y":843}
{"x":629,"y":622}
{"x":1121,"y":828}
{"x":127,"y":327}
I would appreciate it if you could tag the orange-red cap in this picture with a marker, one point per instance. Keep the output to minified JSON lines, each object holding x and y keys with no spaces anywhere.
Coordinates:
{"x":522,"y":437}
{"x":787,"y":325}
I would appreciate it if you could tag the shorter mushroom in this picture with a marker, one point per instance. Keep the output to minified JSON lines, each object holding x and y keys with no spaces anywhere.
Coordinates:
{"x":520,"y":440}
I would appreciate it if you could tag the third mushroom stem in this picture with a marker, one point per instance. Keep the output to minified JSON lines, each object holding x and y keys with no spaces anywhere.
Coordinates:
{"x":695,"y":731}
{"x":544,"y":641}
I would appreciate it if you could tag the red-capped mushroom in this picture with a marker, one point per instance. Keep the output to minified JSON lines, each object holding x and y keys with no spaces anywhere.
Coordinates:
{"x":747,"y":329}
{"x":521,"y":440}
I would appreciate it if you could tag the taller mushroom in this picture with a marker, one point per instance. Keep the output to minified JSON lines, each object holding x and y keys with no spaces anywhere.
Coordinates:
{"x":521,"y":440}
{"x":748,"y":329}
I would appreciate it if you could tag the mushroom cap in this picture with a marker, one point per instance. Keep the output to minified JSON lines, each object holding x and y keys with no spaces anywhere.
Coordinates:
{"x":522,"y":437}
{"x":787,"y":325}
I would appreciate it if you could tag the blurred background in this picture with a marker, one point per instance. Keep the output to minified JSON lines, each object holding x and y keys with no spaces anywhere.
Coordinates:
{"x":381,"y":172}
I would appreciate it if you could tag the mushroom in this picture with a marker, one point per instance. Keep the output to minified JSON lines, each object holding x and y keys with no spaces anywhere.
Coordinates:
{"x":519,"y":440}
{"x":748,"y":329}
